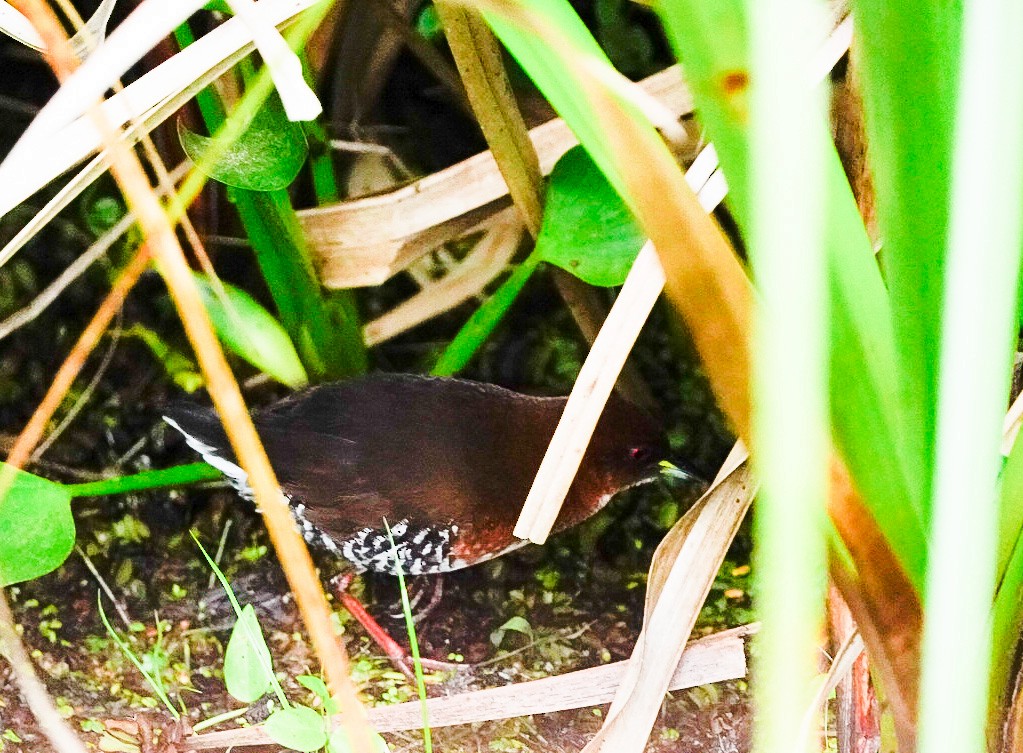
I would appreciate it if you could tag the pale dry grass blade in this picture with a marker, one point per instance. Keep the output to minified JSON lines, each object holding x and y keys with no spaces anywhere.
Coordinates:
{"x":76,"y":269}
{"x":491,"y":256}
{"x":162,"y":243}
{"x":480,"y":61}
{"x":142,"y":30}
{"x":299,"y":100}
{"x":598,"y":375}
{"x":151,"y":98}
{"x":368,"y":240}
{"x":841,"y":665}
{"x":16,"y":26}
{"x":589,"y":394}
{"x":1011,"y":425}
{"x":51,"y":722}
{"x":715,"y":658}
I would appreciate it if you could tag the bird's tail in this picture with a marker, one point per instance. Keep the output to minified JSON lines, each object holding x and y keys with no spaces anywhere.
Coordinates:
{"x":203,"y":433}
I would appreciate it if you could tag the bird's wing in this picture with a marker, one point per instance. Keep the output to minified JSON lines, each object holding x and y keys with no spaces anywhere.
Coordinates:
{"x":324,"y":471}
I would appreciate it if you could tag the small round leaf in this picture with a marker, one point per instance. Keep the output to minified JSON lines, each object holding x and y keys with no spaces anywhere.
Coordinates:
{"x":587,"y":229}
{"x":299,"y":728}
{"x":266,"y":157}
{"x":37,"y":531}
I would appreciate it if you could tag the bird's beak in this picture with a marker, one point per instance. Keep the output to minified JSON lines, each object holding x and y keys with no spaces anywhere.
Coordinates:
{"x":670,"y":470}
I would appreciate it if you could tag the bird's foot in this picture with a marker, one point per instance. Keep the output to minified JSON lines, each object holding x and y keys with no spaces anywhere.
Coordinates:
{"x":407,"y":665}
{"x":436,"y":593}
{"x":399,"y":657}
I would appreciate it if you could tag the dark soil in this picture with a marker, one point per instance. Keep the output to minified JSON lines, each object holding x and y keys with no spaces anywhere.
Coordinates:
{"x":581,"y":609}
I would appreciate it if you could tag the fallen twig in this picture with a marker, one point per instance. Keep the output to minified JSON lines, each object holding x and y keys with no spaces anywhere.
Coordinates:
{"x":716,"y":658}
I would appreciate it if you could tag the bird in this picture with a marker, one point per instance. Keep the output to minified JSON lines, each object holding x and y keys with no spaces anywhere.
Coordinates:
{"x":423,"y":474}
{"x":447,"y":463}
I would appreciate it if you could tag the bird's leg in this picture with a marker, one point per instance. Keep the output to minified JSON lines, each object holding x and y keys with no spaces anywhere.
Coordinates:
{"x":435,"y":597}
{"x":436,"y":592}
{"x":399,"y":657}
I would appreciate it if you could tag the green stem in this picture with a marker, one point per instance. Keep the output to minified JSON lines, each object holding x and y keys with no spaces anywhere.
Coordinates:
{"x":413,"y":642}
{"x":486,"y":318}
{"x":324,"y":328}
{"x":321,"y":161}
{"x":179,"y":475}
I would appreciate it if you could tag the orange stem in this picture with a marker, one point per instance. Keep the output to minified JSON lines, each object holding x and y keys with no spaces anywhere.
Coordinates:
{"x":227,"y":398}
{"x":33,"y":432}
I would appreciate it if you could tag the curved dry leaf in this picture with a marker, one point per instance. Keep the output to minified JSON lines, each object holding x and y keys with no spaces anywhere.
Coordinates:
{"x":682,"y":573}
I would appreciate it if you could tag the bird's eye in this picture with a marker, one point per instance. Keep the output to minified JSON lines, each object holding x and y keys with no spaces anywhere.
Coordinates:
{"x":641,"y":454}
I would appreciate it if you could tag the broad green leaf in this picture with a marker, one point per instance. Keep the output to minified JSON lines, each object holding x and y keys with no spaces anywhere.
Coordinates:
{"x":299,"y":728}
{"x":341,"y":742}
{"x":587,"y":229}
{"x":37,"y":531}
{"x":266,"y":157}
{"x":515,"y":624}
{"x":251,"y":331}
{"x":247,"y":662}
{"x":553,"y":45}
{"x":314,"y":684}
{"x":326,"y":332}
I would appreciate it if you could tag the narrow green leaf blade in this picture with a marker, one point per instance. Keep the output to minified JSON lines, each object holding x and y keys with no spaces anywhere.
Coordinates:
{"x":250,"y":331}
{"x":266,"y":157}
{"x":37,"y":530}
{"x":908,"y":53}
{"x":868,"y":409}
{"x":247,"y":662}
{"x":587,"y":229}
{"x":299,"y":728}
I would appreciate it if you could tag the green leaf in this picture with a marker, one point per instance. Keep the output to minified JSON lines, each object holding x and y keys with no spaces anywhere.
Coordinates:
{"x":219,"y":6}
{"x":251,"y":331}
{"x":587,"y":229}
{"x":908,"y":57}
{"x":299,"y":728}
{"x":341,"y":742}
{"x":314,"y":684}
{"x":516,"y":624}
{"x":266,"y":157}
{"x":869,"y":410}
{"x":485,"y":319}
{"x":247,"y":662}
{"x":37,"y":531}
{"x":102,"y":214}
{"x":178,"y":366}
{"x":319,"y":688}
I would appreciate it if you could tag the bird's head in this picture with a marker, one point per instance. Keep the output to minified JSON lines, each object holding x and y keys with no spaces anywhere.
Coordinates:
{"x":627,"y":447}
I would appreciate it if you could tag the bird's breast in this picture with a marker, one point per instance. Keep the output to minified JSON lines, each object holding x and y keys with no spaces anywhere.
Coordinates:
{"x":415,"y":550}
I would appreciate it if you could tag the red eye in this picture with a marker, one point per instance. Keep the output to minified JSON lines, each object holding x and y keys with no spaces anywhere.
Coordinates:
{"x":640,"y":454}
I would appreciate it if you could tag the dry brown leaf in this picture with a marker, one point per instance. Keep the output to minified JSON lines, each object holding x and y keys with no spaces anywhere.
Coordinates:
{"x":681,"y":575}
